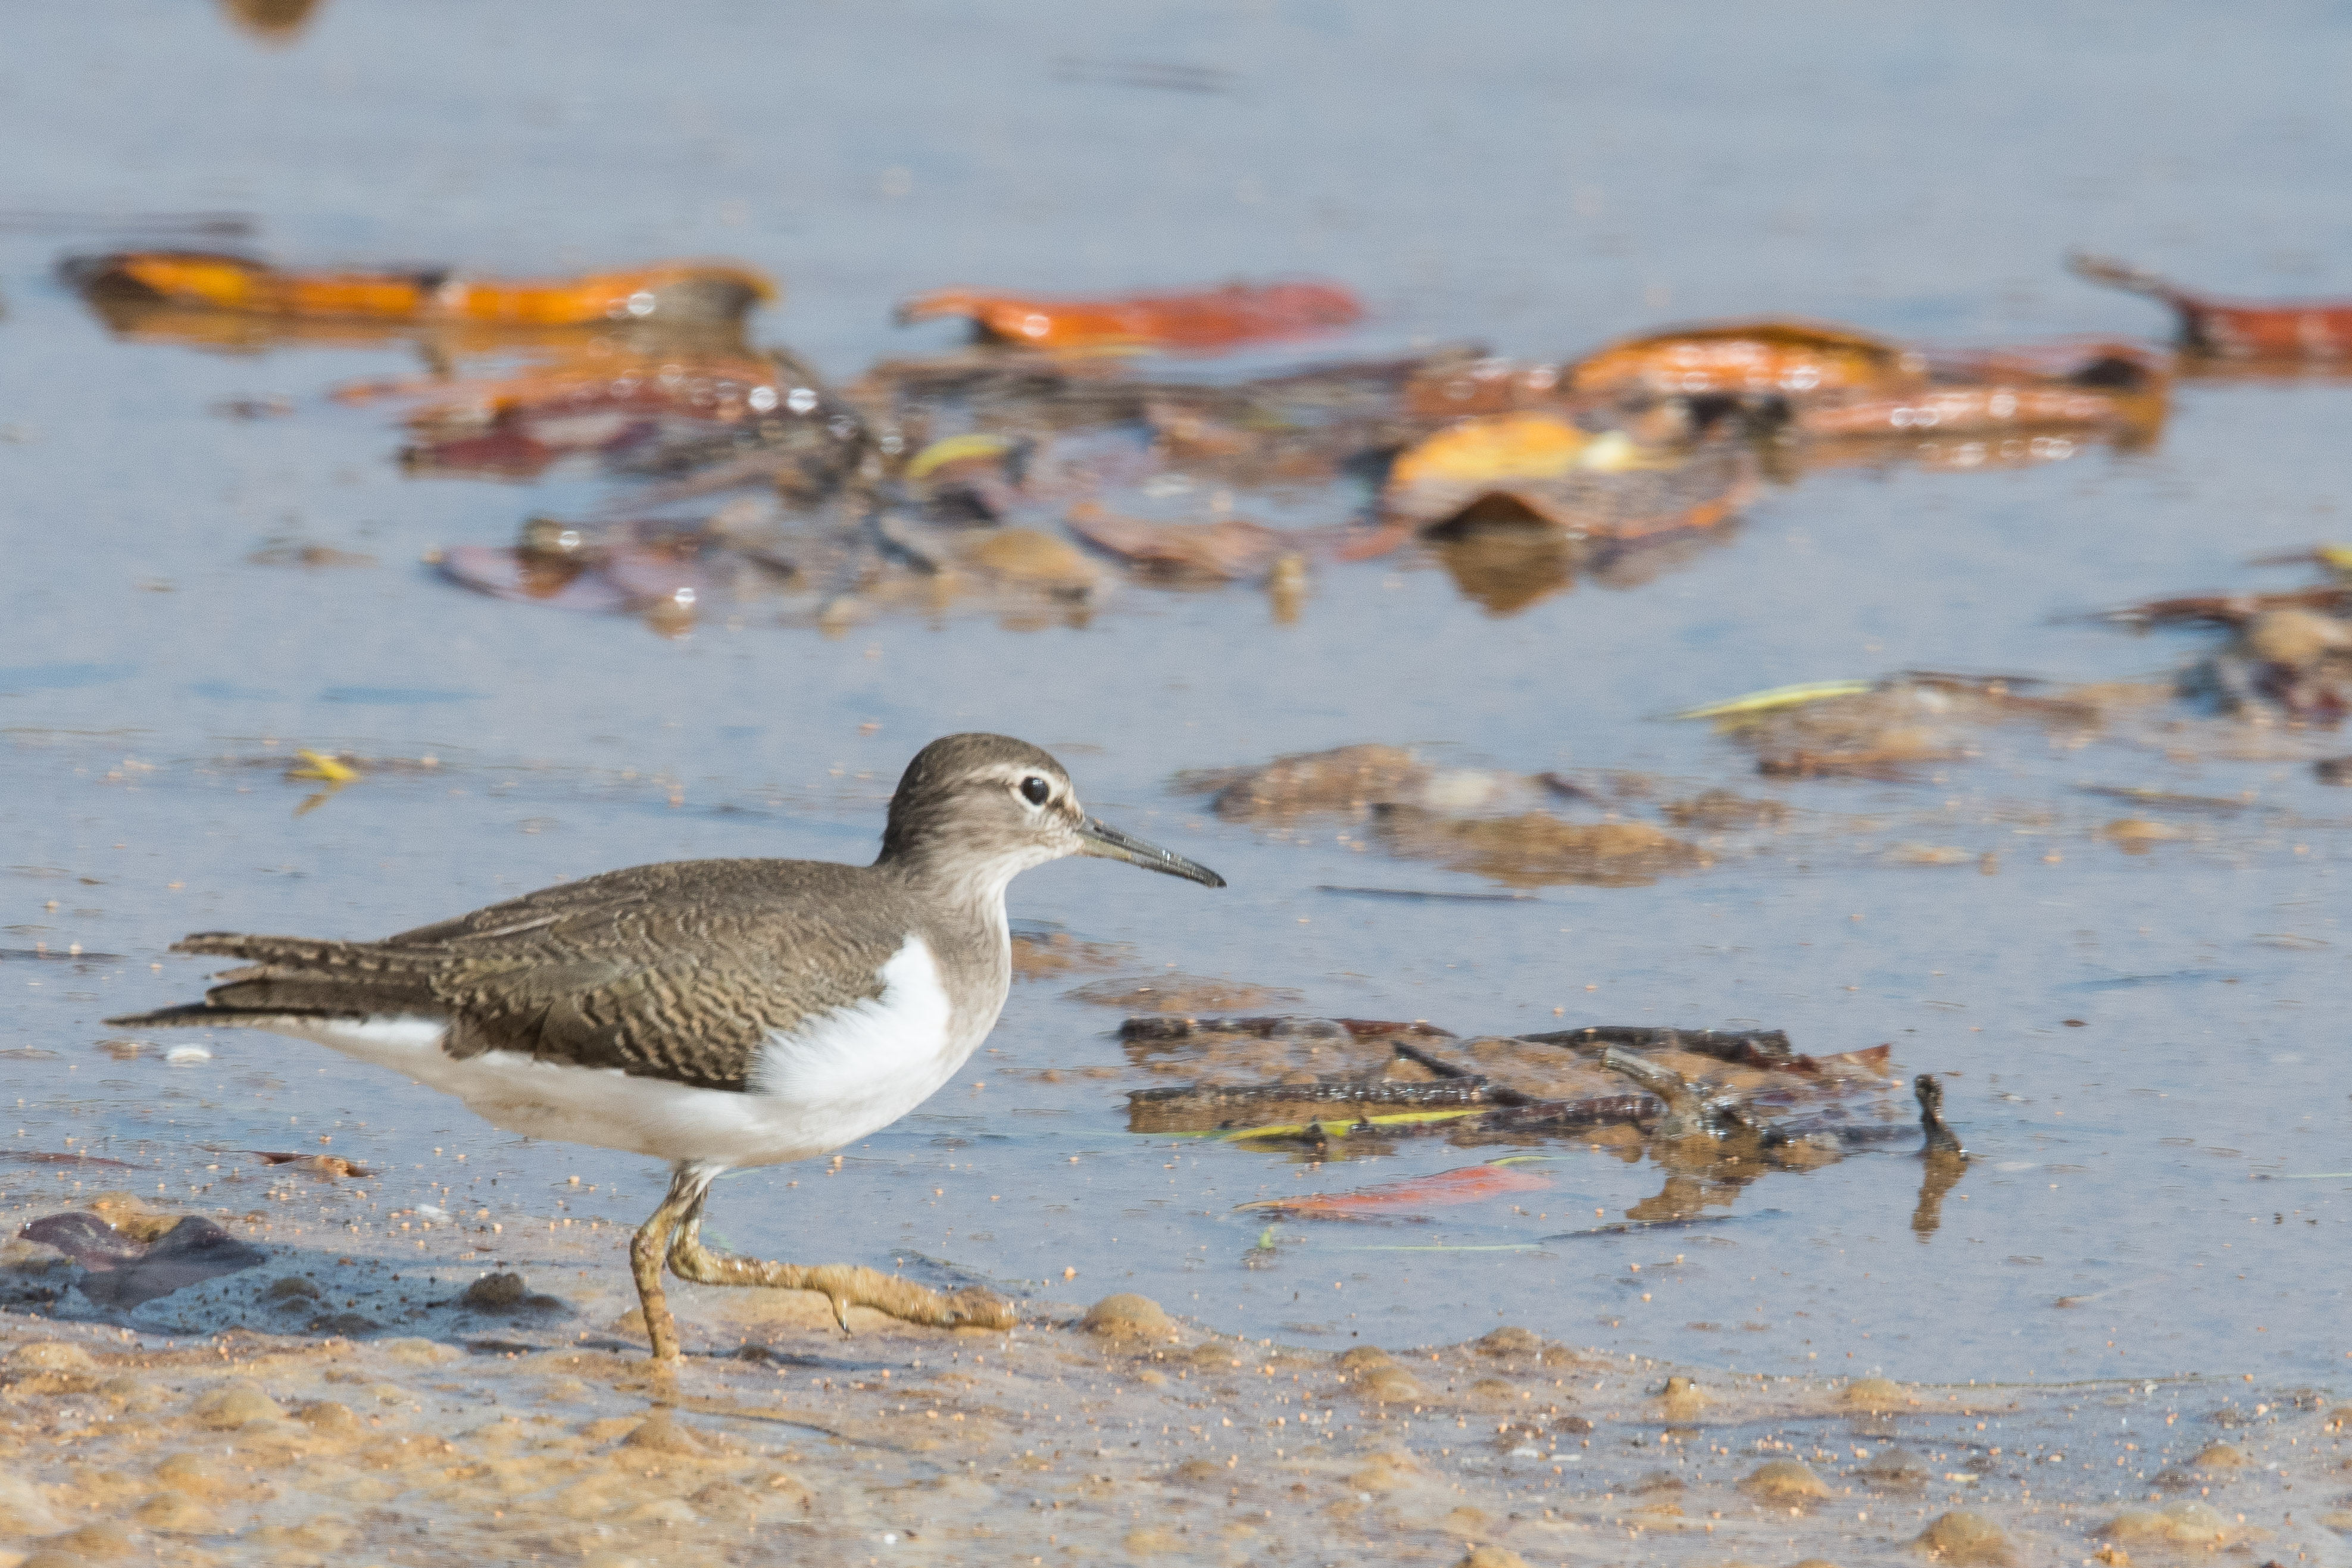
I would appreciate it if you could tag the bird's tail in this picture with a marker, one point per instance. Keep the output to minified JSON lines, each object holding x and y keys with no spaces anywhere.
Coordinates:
{"x":297,"y":977}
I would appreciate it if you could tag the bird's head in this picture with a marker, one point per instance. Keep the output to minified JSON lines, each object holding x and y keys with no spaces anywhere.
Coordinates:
{"x":986,"y":807}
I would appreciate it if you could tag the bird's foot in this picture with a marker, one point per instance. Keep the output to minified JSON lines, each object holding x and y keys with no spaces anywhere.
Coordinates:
{"x":846,"y":1285}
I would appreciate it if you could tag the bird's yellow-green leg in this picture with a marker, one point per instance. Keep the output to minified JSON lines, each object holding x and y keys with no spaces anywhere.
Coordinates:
{"x":687,"y":1185}
{"x":846,"y":1285}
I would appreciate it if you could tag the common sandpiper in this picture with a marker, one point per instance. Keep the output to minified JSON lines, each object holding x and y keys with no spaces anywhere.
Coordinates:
{"x":714,"y":1014}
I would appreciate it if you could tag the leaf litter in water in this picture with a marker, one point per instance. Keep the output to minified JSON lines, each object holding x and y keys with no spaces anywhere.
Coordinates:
{"x":700,"y":291}
{"x":2282,"y":331}
{"x":131,"y":1257}
{"x":1204,"y":321}
{"x":1442,"y":1189}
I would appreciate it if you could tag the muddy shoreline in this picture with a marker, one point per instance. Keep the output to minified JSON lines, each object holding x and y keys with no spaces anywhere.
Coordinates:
{"x":518,"y":1432}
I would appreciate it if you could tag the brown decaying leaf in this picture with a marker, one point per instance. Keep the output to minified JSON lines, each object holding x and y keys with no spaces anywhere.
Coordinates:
{"x":313,"y":1165}
{"x":1225,"y":550}
{"x":1536,"y":849}
{"x":1172,"y":993}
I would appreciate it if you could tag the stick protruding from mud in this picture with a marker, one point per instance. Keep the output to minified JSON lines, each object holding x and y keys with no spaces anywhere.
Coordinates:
{"x":1942,"y":1143}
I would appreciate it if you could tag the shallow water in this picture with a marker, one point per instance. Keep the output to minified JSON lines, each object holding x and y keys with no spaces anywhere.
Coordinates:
{"x":1538,"y":184}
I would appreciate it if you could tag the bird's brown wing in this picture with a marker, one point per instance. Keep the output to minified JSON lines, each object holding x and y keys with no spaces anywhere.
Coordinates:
{"x":678,"y":971}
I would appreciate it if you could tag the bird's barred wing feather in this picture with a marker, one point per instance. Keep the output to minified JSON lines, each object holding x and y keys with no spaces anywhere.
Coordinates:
{"x":678,"y":971}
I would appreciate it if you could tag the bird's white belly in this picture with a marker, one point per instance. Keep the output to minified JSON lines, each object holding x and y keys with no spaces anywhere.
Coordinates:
{"x":831,"y":1081}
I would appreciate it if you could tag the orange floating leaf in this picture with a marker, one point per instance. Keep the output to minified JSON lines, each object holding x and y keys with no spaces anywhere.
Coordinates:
{"x":672,"y":291}
{"x":1203,"y":320}
{"x":1444,"y":1189}
{"x":1499,"y":448}
{"x":2235,"y":328}
{"x":1745,"y":359}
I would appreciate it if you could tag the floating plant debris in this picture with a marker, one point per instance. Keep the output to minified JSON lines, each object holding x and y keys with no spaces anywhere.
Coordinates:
{"x":1769,"y":358}
{"x":1885,"y":728}
{"x":1203,"y":321}
{"x":1539,"y":469}
{"x":694,"y":291}
{"x":2283,"y":330}
{"x":1442,"y":1189}
{"x":1263,"y":1079}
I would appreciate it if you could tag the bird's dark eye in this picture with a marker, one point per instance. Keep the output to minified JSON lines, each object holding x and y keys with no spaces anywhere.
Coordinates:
{"x":1035,"y":790}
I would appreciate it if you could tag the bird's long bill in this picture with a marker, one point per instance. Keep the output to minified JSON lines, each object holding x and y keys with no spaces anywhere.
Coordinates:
{"x":1099,"y":837}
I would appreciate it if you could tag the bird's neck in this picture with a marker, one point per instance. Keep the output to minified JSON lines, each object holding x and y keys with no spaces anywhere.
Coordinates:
{"x":956,"y":887}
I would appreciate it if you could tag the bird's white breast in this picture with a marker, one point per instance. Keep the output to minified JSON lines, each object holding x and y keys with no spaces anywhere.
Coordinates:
{"x":860,"y":1068}
{"x":831,"y":1080}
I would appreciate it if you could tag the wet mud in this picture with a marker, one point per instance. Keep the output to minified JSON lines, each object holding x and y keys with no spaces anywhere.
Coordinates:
{"x":1116,"y":1434}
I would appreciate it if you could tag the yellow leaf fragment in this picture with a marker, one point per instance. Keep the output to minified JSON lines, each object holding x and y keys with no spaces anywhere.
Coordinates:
{"x":1777,"y":698}
{"x":319,"y":765}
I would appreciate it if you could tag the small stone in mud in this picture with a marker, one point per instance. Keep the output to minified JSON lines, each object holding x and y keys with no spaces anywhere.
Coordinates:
{"x":1510,"y":1342}
{"x":1493,"y":1388}
{"x":1385,"y":1473}
{"x":129,"y":1213}
{"x":419,"y":1352}
{"x":1874,"y":1395}
{"x":132,"y":1394}
{"x":105,"y":1542}
{"x":1126,"y":1316}
{"x":1364,"y":1357}
{"x":1964,"y":1537}
{"x":194,"y":1476}
{"x":494,"y":1293}
{"x":2177,"y":1524}
{"x":660,"y":1433}
{"x":293,"y":1288}
{"x":2334,"y":770}
{"x":237,"y":1405}
{"x":1493,"y":1557}
{"x":1784,"y":1481}
{"x":174,"y":1513}
{"x":2135,"y":835}
{"x":1659,"y":1481}
{"x":1681,"y":1399}
{"x":331,"y":1419}
{"x":2220,"y":1456}
{"x":1893,"y":1468}
{"x":50,"y":1356}
{"x":1389,"y":1385}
